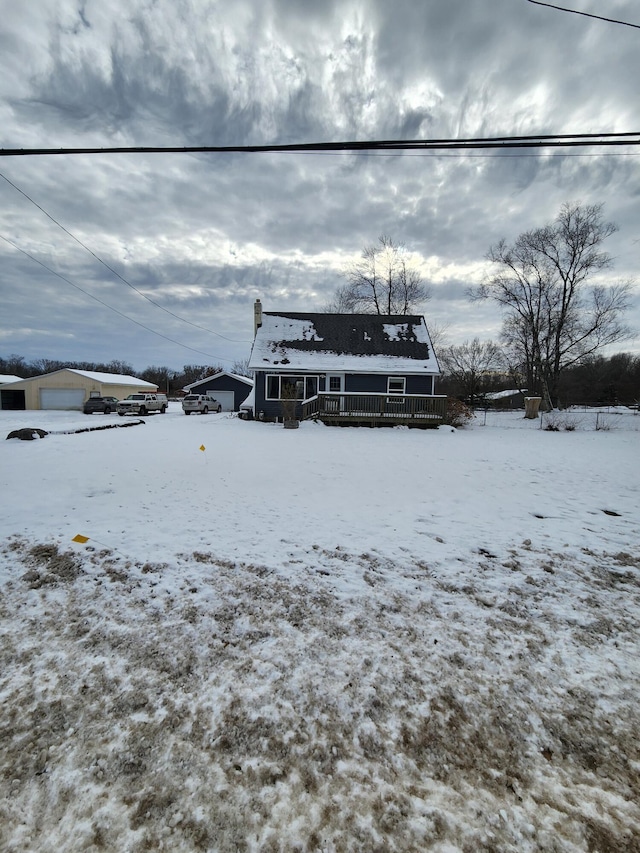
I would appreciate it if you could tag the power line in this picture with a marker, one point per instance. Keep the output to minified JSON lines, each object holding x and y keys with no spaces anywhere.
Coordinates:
{"x":567,"y":140}
{"x":106,"y":305}
{"x":105,"y":264}
{"x":461,"y":154}
{"x":586,"y":14}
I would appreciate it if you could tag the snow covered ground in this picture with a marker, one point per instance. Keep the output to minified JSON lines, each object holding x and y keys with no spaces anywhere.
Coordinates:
{"x":320,"y":639}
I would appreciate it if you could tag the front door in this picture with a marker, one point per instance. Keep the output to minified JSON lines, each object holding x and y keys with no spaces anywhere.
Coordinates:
{"x":334,"y":384}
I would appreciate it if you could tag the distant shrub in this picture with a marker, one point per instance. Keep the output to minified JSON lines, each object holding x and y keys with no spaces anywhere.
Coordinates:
{"x":555,"y":423}
{"x":571,"y":424}
{"x":603,"y":423}
{"x":458,"y":413}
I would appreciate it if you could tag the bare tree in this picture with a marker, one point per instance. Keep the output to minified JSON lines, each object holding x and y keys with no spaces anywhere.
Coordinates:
{"x":241,"y":368}
{"x":471,"y":366}
{"x":121,"y":367}
{"x":341,"y":301}
{"x":14,"y":365}
{"x":194,"y":373}
{"x":160,"y":376}
{"x":438,"y":332}
{"x":554,"y":317}
{"x":384,"y":280}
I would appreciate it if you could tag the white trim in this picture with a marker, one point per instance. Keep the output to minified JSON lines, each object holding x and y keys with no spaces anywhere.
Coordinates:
{"x":334,"y":403}
{"x":334,"y":375}
{"x":402,"y":379}
{"x":373,"y":394}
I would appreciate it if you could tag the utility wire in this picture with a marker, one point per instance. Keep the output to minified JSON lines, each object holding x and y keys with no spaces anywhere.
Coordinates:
{"x":567,"y":140}
{"x":110,"y":307}
{"x":461,"y":154}
{"x":111,"y":269}
{"x":586,"y":14}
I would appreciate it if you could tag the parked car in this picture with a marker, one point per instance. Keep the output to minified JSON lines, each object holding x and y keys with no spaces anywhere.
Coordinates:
{"x":105,"y":405}
{"x":143,"y":404}
{"x":202,"y":403}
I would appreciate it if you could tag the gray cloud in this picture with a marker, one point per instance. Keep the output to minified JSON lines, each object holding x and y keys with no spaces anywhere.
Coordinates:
{"x":206,"y":234}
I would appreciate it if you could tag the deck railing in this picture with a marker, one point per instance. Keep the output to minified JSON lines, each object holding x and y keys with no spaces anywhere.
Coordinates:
{"x":375,"y":409}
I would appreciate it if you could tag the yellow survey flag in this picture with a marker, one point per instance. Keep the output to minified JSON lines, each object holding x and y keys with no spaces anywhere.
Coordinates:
{"x":202,"y":447}
{"x":80,"y":538}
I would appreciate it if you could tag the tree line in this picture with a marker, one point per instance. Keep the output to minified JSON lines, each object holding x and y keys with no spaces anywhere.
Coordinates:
{"x":477,"y":368}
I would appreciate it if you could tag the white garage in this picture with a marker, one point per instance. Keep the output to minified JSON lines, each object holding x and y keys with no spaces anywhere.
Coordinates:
{"x":62,"y":398}
{"x":68,"y":388}
{"x":225,"y":398}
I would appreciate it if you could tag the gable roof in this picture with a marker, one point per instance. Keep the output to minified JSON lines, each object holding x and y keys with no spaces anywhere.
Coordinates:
{"x":361,"y":343}
{"x":103,"y":378}
{"x":114,"y":378}
{"x":217,"y":375}
{"x":9,"y":377}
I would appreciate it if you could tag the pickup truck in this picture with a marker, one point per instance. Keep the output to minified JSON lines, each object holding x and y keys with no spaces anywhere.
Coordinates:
{"x":141,"y":404}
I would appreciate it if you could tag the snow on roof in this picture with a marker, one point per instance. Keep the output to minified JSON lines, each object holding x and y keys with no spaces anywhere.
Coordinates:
{"x":294,"y":329}
{"x":246,"y":379}
{"x":9,"y":377}
{"x":250,"y":400}
{"x":397,"y":331}
{"x":499,"y":395}
{"x":361,"y":343}
{"x":114,"y":378}
{"x":103,"y":378}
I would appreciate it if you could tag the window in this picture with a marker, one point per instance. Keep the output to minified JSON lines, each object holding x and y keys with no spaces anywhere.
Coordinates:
{"x":311,"y":387}
{"x":396,"y":384}
{"x":335,"y":383}
{"x":290,"y":387}
{"x":273,"y":387}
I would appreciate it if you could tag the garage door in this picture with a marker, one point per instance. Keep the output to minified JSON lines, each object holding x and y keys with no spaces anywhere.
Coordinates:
{"x":61,"y":398}
{"x":225,"y":398}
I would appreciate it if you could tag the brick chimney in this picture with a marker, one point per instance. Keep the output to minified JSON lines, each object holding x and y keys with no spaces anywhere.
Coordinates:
{"x":257,"y":316}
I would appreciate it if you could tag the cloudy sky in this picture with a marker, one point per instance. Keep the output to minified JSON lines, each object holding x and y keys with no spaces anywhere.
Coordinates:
{"x":203,"y":235}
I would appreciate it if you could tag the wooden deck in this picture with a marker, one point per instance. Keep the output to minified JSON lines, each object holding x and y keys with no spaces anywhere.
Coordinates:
{"x":366,"y":409}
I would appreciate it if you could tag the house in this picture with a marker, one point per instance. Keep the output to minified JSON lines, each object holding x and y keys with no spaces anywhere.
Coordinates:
{"x":68,"y":389}
{"x":512,"y":398}
{"x":345,"y":368}
{"x":229,"y":389}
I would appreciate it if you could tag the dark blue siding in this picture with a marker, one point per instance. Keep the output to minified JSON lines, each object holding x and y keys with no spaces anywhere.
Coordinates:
{"x":354,"y":382}
{"x":270,"y":408}
{"x":225,"y":383}
{"x":365,"y":382}
{"x":377,"y":384}
{"x":419,"y":385}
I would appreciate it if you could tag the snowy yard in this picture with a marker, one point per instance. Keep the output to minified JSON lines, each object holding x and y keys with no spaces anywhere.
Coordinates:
{"x":319,"y":639}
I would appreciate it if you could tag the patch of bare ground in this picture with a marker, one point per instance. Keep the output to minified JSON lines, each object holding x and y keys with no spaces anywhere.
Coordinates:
{"x":237,"y":708}
{"x":49,"y":566}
